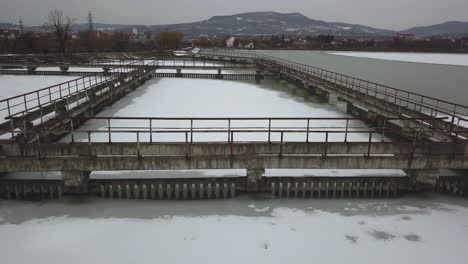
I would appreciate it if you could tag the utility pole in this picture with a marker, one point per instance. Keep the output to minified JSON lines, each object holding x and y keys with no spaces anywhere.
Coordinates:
{"x":90,"y":21}
{"x":21,"y":26}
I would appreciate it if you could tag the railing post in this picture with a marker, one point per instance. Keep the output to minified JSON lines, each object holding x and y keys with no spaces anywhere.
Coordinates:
{"x":12,"y":128}
{"x":50,"y":95}
{"x":369,"y":145}
{"x":138,"y":144}
{"x":326,"y":145}
{"x":72,"y":131}
{"x":186,"y":145}
{"x":109,"y":130}
{"x":281,"y":144}
{"x":38,"y":99}
{"x":269,"y":130}
{"x":308,"y":130}
{"x":8,"y":106}
{"x":151,"y":130}
{"x":383,"y":129}
{"x":191,"y":131}
{"x":38,"y":146}
{"x":452,"y":123}
{"x":25,"y":103}
{"x":90,"y":144}
{"x":229,"y":130}
{"x":346,"y":130}
{"x":231,"y":144}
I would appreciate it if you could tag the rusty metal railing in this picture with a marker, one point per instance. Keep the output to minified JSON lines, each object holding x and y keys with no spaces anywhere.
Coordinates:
{"x":20,"y":105}
{"x":429,"y":106}
{"x":268,"y":130}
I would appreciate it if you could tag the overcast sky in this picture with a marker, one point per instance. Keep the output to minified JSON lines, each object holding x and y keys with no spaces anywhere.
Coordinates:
{"x":388,"y":14}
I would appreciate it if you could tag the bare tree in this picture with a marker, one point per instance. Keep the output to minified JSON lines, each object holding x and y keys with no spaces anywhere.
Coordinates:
{"x":60,"y":26}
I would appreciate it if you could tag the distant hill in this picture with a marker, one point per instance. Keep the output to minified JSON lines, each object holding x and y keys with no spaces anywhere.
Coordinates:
{"x":451,"y":28}
{"x":265,"y":23}
{"x":7,"y":26}
{"x":259,"y":23}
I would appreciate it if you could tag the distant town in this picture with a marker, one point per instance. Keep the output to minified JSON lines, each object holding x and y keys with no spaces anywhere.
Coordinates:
{"x":88,"y":37}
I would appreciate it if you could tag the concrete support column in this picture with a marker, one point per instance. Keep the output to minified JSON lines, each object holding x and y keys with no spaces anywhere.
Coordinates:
{"x":423,"y":180}
{"x":179,"y":73}
{"x":219,"y":75}
{"x":332,"y":99}
{"x":254,"y":177}
{"x":75,"y":182}
{"x":312,"y":89}
{"x":258,"y":75}
{"x":106,"y":71}
{"x":64,"y":69}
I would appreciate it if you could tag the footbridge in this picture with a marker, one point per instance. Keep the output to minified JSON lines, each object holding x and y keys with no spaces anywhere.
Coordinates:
{"x":391,"y":129}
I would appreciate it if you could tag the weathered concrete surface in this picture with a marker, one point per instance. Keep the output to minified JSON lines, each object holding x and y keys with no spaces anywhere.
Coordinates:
{"x":425,"y":179}
{"x":75,"y":181}
{"x":254,"y":177}
{"x":13,"y":149}
{"x":212,"y":188}
{"x":12,"y":164}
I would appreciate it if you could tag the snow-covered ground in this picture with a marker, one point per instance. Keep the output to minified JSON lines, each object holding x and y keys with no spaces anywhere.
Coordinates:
{"x":433,"y":58}
{"x":242,"y":230}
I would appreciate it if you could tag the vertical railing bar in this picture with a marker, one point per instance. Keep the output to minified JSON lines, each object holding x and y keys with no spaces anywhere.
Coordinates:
{"x":229,"y":131}
{"x":269,"y":130}
{"x":369,"y":145}
{"x":138,"y":144}
{"x":191,"y":130}
{"x":109,"y":130}
{"x":72,"y":131}
{"x":151,"y":130}
{"x":346,"y":130}
{"x":281,"y":144}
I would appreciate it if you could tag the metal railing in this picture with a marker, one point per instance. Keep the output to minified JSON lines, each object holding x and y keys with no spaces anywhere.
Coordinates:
{"x":313,"y":130}
{"x":22,"y":104}
{"x":429,"y":106}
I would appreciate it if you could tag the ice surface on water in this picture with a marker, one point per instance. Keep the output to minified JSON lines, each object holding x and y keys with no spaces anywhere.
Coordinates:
{"x":11,"y":85}
{"x":236,"y":231}
{"x":434,"y":58}
{"x":219,"y":98}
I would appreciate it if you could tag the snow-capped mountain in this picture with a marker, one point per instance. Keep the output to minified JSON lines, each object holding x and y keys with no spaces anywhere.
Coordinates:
{"x":268,"y":23}
{"x":271,"y":23}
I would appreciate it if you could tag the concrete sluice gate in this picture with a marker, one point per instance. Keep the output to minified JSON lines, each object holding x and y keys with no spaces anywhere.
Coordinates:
{"x":226,"y":188}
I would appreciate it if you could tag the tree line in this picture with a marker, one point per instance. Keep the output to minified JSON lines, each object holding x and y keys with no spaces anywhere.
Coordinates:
{"x":59,"y":38}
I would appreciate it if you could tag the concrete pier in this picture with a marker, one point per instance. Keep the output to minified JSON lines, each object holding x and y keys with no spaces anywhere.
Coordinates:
{"x":254,"y":176}
{"x":75,"y":181}
{"x":422,"y":145}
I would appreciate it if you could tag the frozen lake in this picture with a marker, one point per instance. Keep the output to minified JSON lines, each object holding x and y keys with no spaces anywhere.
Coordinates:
{"x":432,"y":58}
{"x":11,"y":85}
{"x":447,"y":82}
{"x":243,"y":230}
